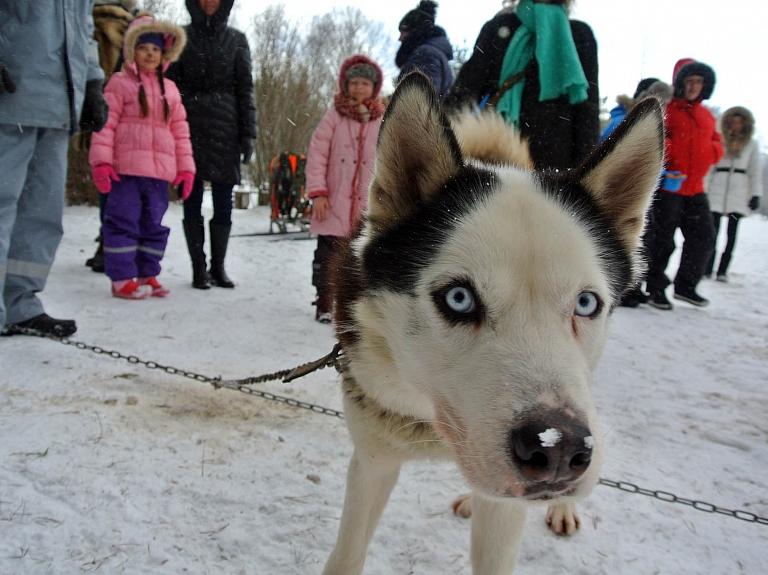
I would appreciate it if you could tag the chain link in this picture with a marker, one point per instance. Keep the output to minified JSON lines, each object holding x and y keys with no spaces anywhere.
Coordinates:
{"x":672,"y":498}
{"x":331,"y":360}
{"x":285,"y":375}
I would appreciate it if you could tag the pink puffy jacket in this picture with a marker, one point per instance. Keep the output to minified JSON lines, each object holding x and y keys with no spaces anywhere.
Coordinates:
{"x":137,"y":146}
{"x":340,"y":161}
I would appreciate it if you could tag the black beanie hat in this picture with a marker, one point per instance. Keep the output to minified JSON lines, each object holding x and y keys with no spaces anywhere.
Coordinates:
{"x":643,"y":86}
{"x":424,"y":13}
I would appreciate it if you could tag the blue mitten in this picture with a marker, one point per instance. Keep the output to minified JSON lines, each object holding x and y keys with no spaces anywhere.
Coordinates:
{"x":673,"y":181}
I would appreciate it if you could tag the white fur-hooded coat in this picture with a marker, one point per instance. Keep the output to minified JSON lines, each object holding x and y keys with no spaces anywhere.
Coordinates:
{"x":735,"y":179}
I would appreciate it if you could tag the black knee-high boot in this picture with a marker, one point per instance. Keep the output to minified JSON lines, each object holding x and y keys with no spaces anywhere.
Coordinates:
{"x":219,"y":241}
{"x":194,"y":230}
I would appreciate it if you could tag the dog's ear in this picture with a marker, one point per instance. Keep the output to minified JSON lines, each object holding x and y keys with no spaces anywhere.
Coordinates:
{"x":416,"y":153}
{"x":624,"y":171}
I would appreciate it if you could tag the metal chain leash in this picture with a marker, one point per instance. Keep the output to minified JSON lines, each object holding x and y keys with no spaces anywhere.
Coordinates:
{"x":285,"y":375}
{"x":672,"y":498}
{"x":331,"y":360}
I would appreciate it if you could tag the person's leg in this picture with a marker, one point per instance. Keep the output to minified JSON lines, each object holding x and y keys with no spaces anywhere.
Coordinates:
{"x":194,"y":232}
{"x":153,"y":235}
{"x":121,"y":229}
{"x":17,"y":146}
{"x":222,"y":203}
{"x":193,"y":205}
{"x":320,"y":279}
{"x":35,"y":217}
{"x":725,"y":258}
{"x":220,"y":227}
{"x":696,"y":225}
{"x":96,"y":262}
{"x":666,"y":218}
{"x":715,"y":232}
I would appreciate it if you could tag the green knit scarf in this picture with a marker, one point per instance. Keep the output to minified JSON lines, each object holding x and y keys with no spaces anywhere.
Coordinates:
{"x":545,"y":35}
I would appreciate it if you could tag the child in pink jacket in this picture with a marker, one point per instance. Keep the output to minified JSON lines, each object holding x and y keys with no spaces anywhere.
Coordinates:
{"x":144,"y":146}
{"x":340,"y":165}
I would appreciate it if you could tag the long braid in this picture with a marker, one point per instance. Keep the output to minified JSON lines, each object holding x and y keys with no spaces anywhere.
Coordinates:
{"x":143,"y":99}
{"x":161,"y":79}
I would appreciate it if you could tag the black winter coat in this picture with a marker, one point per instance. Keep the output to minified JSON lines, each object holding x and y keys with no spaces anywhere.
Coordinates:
{"x":560,"y":135}
{"x":216,"y":84}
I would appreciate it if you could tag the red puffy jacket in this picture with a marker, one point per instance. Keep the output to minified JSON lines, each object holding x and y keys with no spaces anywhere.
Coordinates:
{"x":693,"y":143}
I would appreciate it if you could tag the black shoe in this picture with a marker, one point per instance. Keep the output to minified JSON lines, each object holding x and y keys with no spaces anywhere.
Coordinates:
{"x":629,"y":300}
{"x":658,"y":299}
{"x":96,"y":263}
{"x":219,"y":277}
{"x":201,"y":279}
{"x":690,"y":296}
{"x":219,"y":241}
{"x":43,"y":324}
{"x":634,"y":298}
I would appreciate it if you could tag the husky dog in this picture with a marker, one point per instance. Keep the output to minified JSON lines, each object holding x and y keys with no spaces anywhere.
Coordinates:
{"x":472,"y":305}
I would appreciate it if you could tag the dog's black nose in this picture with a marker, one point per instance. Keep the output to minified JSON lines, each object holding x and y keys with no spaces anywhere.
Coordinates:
{"x":552,"y":449}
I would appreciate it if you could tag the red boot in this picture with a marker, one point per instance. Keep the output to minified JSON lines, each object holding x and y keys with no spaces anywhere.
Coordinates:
{"x":157,"y":289}
{"x":129,"y":289}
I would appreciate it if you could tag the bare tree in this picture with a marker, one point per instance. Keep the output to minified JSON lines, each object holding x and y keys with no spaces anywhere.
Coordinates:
{"x":288,"y":106}
{"x":337,"y":35}
{"x":168,"y":10}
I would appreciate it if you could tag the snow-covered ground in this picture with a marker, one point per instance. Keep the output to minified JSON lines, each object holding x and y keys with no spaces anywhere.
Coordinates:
{"x":108,"y":466}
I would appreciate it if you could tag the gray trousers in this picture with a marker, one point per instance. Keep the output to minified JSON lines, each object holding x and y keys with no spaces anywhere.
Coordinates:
{"x":33,"y":170}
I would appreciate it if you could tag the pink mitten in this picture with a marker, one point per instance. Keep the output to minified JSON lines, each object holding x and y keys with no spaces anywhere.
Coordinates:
{"x":102,"y":174}
{"x":186,"y":179}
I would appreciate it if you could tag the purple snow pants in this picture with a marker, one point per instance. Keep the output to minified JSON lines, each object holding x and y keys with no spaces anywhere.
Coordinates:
{"x":134,"y":237}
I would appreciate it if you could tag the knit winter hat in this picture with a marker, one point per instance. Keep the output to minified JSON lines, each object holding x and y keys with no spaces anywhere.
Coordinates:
{"x":643,"y":85}
{"x":173,"y":37}
{"x":361,"y":71}
{"x":424,"y":13}
{"x":152,"y":38}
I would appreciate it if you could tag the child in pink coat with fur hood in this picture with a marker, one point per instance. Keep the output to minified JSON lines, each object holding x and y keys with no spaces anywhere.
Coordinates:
{"x":340,"y":164}
{"x":144,"y":146}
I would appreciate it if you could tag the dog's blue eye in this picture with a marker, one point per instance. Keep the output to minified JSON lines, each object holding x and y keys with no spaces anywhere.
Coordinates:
{"x":460,"y":299}
{"x":587,"y":304}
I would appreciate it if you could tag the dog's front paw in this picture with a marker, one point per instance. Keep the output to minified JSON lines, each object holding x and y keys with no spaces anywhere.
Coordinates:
{"x":562,"y":518}
{"x":462,"y":505}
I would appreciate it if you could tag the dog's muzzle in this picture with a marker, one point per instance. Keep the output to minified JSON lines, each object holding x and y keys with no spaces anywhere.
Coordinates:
{"x":551,"y":452}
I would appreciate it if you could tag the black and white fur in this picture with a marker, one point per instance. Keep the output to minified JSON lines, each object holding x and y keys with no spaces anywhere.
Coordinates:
{"x":472,"y":305}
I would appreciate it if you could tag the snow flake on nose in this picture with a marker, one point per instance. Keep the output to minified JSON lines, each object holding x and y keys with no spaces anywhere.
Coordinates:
{"x":589,"y":442}
{"x":550,"y":437}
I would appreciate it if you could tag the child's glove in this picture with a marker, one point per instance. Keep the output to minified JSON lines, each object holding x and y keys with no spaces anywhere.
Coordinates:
{"x":186,"y":180}
{"x":754,"y":203}
{"x":673,"y":181}
{"x":102,"y":176}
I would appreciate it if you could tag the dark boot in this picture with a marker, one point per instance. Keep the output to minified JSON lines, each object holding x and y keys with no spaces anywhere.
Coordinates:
{"x":324,"y":306}
{"x":219,"y":241}
{"x":96,"y":263}
{"x":194,"y":230}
